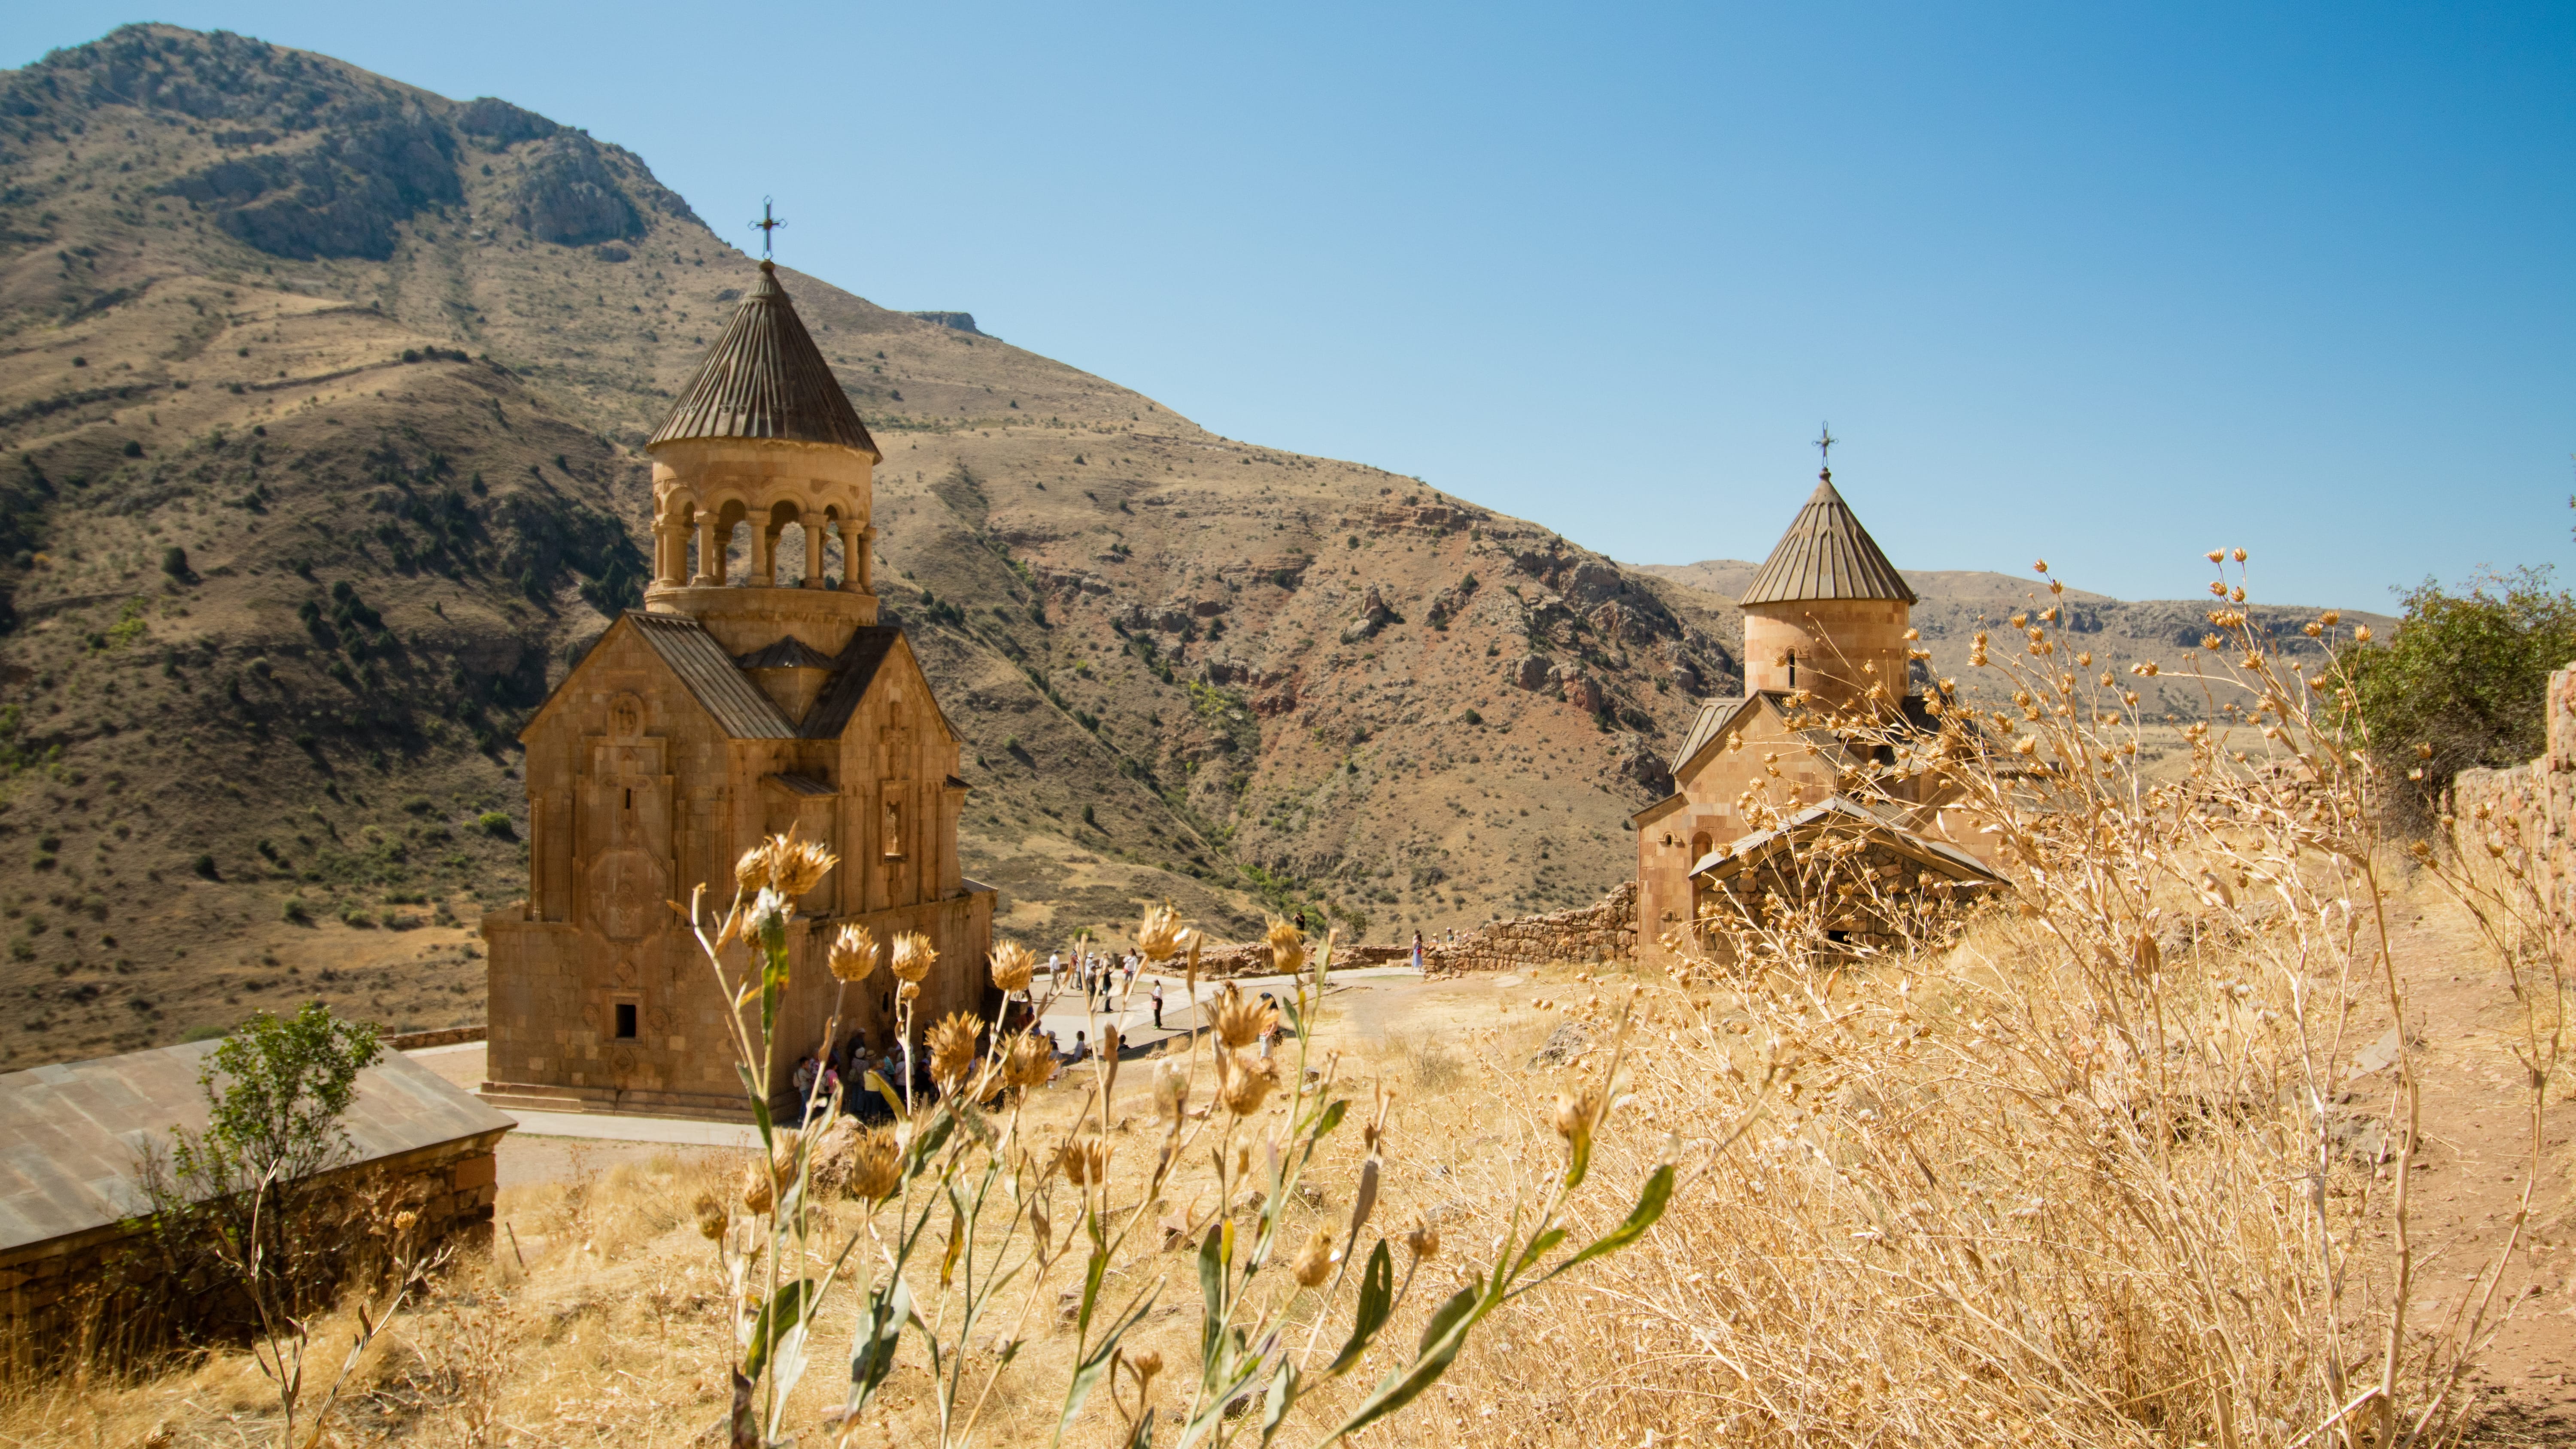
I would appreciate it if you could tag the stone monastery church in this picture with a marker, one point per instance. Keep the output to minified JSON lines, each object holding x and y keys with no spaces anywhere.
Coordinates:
{"x":1826,"y":630}
{"x":726,"y":709}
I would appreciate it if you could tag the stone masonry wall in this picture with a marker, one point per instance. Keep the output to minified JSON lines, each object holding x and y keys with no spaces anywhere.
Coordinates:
{"x":2530,"y":808}
{"x":1606,"y":930}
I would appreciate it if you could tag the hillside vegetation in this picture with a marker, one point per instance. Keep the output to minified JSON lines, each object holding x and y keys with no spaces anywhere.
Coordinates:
{"x":321,"y":404}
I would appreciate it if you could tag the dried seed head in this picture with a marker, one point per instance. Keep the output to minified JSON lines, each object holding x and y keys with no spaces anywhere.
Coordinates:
{"x":1144,"y":1363}
{"x":854,"y":954}
{"x":1171,"y":1088}
{"x":2215,"y":555}
{"x":751,"y":873}
{"x":1315,"y":1260}
{"x":1240,"y":1020}
{"x":1029,"y":1064}
{"x":913,"y":956}
{"x":2237,"y":554}
{"x":756,"y":1189}
{"x":2361,"y":633}
{"x":2330,"y":617}
{"x":1014,"y":967}
{"x":797,"y":866}
{"x":2423,"y":750}
{"x":1245,"y":1081}
{"x":711,"y":1216}
{"x":1287,"y":948}
{"x":1422,"y":1240}
{"x":876,"y":1165}
{"x":1085,"y":1160}
{"x":908,"y":993}
{"x":952,"y":1049}
{"x":1577,"y":1113}
{"x":1160,"y":935}
{"x":2039,"y":566}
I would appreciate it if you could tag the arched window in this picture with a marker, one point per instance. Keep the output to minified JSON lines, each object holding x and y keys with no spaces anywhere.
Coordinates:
{"x":1793,"y":669}
{"x":1701,"y":845}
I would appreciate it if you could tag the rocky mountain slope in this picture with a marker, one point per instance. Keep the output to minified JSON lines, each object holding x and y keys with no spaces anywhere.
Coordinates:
{"x":321,"y":400}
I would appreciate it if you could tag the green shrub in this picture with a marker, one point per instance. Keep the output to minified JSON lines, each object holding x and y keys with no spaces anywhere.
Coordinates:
{"x":495,"y":824}
{"x":2462,"y":683}
{"x":295,"y":912}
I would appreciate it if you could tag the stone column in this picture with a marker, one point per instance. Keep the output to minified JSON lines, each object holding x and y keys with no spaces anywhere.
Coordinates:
{"x":850,"y":545}
{"x":673,"y":564}
{"x":868,"y":560}
{"x":764,"y":554}
{"x":710,"y":569}
{"x":811,"y":524}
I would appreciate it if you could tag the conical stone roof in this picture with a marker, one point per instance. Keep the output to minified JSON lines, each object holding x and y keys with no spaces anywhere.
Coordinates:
{"x":1826,"y":554}
{"x":765,"y":378}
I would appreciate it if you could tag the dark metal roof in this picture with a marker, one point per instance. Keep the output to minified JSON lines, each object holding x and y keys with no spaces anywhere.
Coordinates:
{"x":789,"y":652}
{"x":737,"y":704}
{"x":765,"y":378}
{"x":1826,"y":554}
{"x":858,"y":666}
{"x":70,"y":1133}
{"x":805,"y":785}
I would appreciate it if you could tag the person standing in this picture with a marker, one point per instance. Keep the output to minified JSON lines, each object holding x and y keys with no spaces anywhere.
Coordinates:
{"x":1055,"y":972}
{"x":1417,"y":953}
{"x":1158,"y":1003}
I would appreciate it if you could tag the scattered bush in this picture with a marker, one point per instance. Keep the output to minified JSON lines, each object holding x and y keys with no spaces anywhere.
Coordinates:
{"x":495,"y":824}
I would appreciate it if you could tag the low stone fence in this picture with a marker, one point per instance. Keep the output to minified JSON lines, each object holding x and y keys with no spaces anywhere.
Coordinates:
{"x":412,"y":1041}
{"x":1605,"y":930}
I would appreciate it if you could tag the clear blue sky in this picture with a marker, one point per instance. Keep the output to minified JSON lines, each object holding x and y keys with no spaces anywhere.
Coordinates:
{"x":2108,"y":283}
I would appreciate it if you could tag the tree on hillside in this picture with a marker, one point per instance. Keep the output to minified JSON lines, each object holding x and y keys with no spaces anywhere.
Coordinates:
{"x":2464,"y":678}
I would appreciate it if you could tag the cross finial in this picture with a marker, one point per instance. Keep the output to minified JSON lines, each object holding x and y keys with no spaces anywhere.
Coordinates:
{"x":767,"y":225}
{"x":1825,"y":452}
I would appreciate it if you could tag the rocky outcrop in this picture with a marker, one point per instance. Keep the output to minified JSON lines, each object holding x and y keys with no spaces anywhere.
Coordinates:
{"x":1374,"y":615}
{"x":566,"y":195}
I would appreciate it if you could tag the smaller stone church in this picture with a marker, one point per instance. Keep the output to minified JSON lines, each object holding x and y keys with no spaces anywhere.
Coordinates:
{"x":1826,"y":629}
{"x":754,"y":693}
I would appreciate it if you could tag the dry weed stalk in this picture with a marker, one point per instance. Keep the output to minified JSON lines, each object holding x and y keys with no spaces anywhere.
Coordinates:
{"x":2079,"y":1166}
{"x":965,"y":1219}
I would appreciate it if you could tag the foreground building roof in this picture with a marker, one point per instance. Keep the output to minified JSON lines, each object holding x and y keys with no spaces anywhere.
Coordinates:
{"x":1826,"y":554}
{"x":765,"y":378}
{"x":72,"y":1134}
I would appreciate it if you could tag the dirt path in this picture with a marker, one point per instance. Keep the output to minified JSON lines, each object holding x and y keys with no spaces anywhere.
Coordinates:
{"x":2469,"y":1181}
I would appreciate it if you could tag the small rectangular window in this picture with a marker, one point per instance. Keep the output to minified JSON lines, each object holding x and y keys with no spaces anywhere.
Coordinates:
{"x":893,"y":842}
{"x":626,"y":1021}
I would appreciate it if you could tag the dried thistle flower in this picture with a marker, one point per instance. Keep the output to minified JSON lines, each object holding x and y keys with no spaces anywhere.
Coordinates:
{"x":1287,"y":948}
{"x":1014,"y":967}
{"x":797,"y":866}
{"x":1314,"y":1262}
{"x":854,"y":954}
{"x":1240,"y":1020}
{"x":1246,"y":1081}
{"x":1144,"y":1363}
{"x":1422,"y":1240}
{"x":952,"y":1049}
{"x":756,"y":1186}
{"x":913,"y":956}
{"x":908,"y":993}
{"x":1171,"y":1088}
{"x":1085,"y":1160}
{"x":1029,"y":1063}
{"x":751,"y":873}
{"x":2361,"y":633}
{"x":876,"y":1165}
{"x":1577,"y":1113}
{"x":711,"y":1216}
{"x":2215,"y":555}
{"x":2237,"y":554}
{"x":1160,"y":935}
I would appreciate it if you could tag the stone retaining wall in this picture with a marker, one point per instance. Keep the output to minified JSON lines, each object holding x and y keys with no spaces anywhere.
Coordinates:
{"x":1606,"y":930}
{"x":2530,"y":808}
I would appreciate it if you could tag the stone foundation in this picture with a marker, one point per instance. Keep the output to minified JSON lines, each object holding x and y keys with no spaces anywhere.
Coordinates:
{"x":2530,"y":808}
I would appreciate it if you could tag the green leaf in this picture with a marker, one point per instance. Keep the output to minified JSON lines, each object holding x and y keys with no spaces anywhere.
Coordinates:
{"x":1088,"y":1372}
{"x":1282,"y":1397}
{"x":1442,"y":1337}
{"x":872,"y":1347}
{"x":1332,"y":1116}
{"x":1211,"y":1300}
{"x":1377,"y":1300}
{"x":1650,"y":1206}
{"x":1143,"y":1438}
{"x":1537,"y":1248}
{"x":780,"y":1314}
{"x":894,"y":1104}
{"x":1092,"y":1270}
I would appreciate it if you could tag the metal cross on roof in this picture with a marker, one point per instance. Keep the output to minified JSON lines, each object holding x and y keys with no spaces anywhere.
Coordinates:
{"x":1825,"y":448}
{"x":767,"y":224}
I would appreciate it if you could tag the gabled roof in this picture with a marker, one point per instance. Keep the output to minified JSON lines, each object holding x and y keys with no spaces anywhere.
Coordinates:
{"x":737,"y":704}
{"x":789,"y":652}
{"x":858,"y":666}
{"x":70,"y":1133}
{"x":805,"y":786}
{"x":1841,"y":810}
{"x":1826,"y":554}
{"x":765,"y":378}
